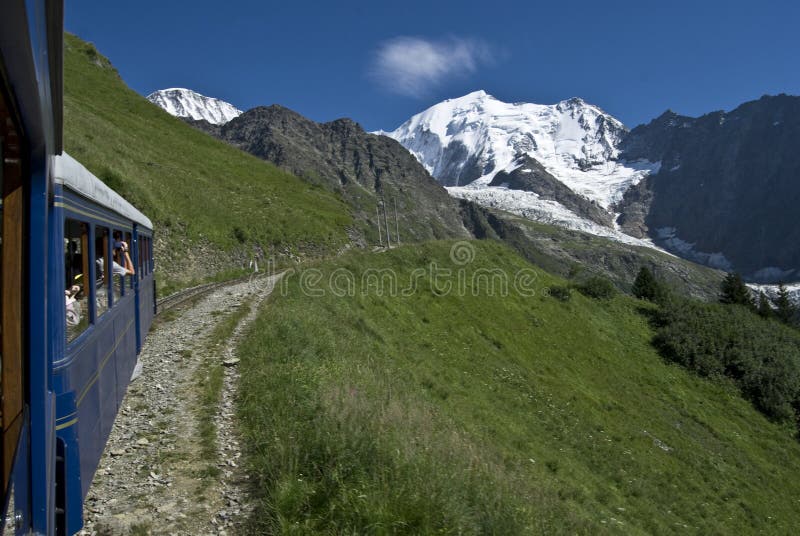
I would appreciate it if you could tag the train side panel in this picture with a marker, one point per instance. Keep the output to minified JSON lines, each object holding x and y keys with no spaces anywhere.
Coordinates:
{"x":92,"y":374}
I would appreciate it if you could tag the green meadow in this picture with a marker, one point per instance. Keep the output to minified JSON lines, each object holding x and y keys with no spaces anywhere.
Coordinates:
{"x":372,"y":411}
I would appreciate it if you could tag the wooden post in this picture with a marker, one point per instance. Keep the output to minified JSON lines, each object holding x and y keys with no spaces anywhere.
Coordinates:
{"x":396,"y":224}
{"x":378,"y":215}
{"x":386,"y":223}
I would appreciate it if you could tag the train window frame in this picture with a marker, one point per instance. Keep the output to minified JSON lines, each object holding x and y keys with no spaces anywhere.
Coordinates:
{"x":140,"y":257}
{"x":78,"y":295}
{"x":149,"y":256}
{"x":12,"y":276}
{"x":143,"y":256}
{"x":128,"y":236}
{"x":105,"y":249}
{"x":117,"y":286}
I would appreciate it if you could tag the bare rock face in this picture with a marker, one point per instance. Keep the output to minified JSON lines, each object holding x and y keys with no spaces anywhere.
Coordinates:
{"x":728,"y":186}
{"x":363,"y":168}
{"x":634,"y":208}
{"x":531,"y":176}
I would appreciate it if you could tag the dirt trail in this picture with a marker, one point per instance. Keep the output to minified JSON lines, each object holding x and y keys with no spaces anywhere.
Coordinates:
{"x":152,"y":478}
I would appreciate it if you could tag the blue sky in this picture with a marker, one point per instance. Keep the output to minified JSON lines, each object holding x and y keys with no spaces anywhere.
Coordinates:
{"x":381,"y":62}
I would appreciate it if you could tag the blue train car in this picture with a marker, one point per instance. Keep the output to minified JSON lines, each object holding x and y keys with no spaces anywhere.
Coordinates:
{"x":77,"y":291}
{"x":100,"y":317}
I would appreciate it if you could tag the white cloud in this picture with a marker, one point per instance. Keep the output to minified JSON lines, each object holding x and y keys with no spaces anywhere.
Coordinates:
{"x":412,"y":66}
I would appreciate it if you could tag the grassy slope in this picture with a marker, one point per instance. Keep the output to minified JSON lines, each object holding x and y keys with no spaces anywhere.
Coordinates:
{"x":203,"y":195}
{"x":490,"y":414}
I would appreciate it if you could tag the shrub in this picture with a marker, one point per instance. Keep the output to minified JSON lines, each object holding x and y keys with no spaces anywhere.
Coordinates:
{"x":560,"y":293}
{"x":240,"y":234}
{"x":761,"y":357}
{"x":598,"y":287}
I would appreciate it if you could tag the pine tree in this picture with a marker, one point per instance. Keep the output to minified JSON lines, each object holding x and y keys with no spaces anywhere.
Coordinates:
{"x":645,"y":287}
{"x":785,"y":309}
{"x":764,"y":306}
{"x":734,"y":291}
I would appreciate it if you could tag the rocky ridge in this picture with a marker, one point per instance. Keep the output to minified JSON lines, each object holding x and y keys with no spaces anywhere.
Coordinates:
{"x":363,"y":168}
{"x":530,"y":175}
{"x":727,"y":191}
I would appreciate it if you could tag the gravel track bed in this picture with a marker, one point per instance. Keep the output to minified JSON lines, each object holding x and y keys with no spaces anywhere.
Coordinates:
{"x":151,"y":479}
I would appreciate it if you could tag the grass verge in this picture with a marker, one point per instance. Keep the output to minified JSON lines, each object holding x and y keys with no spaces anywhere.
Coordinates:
{"x":467,"y":412}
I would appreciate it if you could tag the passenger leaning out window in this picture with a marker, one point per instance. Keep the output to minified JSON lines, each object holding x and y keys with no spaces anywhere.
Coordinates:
{"x":122,"y":257}
{"x":116,"y":269}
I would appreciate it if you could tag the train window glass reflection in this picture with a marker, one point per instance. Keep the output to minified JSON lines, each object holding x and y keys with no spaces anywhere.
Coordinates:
{"x":102,"y":270}
{"x":76,"y":269}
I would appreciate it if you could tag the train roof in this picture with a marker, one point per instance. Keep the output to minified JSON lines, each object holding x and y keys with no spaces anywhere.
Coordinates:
{"x":71,"y":173}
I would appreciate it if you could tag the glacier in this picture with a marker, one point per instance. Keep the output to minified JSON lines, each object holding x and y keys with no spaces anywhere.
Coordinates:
{"x":531,"y":206}
{"x":464,"y":142}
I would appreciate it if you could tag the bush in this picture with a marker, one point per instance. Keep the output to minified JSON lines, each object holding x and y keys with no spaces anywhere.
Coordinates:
{"x":761,"y":356}
{"x":598,"y":287}
{"x":240,"y":234}
{"x":562,"y":294}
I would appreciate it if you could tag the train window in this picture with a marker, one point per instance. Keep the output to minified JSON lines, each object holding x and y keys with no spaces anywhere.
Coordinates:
{"x":148,"y":266}
{"x":129,"y":258}
{"x":143,"y":256}
{"x":140,"y":255}
{"x":118,"y":282}
{"x":76,"y":265}
{"x":102,"y":270}
{"x":123,"y":265}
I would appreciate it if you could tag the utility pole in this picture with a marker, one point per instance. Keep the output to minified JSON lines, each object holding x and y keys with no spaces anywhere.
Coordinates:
{"x":396,"y":224}
{"x":386,"y":223}
{"x":378,"y":214}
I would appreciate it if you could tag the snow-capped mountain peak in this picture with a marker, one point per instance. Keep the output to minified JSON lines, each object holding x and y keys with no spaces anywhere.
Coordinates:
{"x":182,"y":102}
{"x":469,"y":139}
{"x":465,"y":142}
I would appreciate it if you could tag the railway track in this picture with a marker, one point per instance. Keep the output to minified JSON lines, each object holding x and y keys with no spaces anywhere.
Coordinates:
{"x":182,"y":296}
